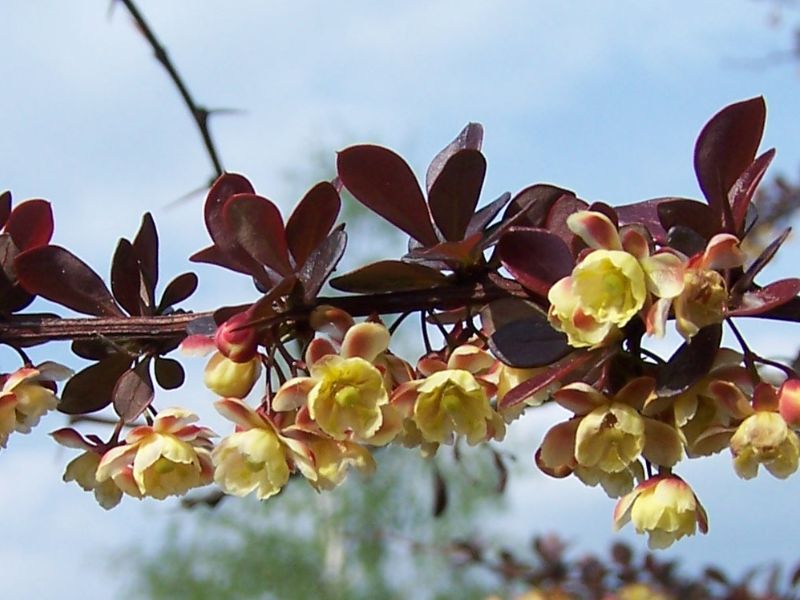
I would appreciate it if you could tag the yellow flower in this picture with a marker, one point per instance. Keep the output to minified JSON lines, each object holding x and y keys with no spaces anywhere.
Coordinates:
{"x":665,"y":508}
{"x":568,"y":316}
{"x":331,"y":459}
{"x":452,"y":402}
{"x":610,"y":286}
{"x":83,"y":469}
{"x":166,"y":459}
{"x":765,"y":438}
{"x":253,"y":459}
{"x":24,"y":398}
{"x":702,"y":302}
{"x":604,"y":440}
{"x":347,"y":397}
{"x":231,"y":379}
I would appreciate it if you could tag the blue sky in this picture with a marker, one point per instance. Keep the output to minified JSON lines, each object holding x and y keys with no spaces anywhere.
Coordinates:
{"x":605,"y":98}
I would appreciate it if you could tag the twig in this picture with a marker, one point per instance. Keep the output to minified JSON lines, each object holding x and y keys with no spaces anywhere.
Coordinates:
{"x":21,"y":330}
{"x":199,"y":113}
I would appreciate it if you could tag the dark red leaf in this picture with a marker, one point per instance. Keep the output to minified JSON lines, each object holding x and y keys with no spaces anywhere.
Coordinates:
{"x":771,"y":296}
{"x":686,"y":240}
{"x":470,"y":138}
{"x":563,"y":371}
{"x":745,"y":281}
{"x":481,"y":219}
{"x":690,"y":363}
{"x":133,"y":392}
{"x":30,"y":224}
{"x":311,"y":220}
{"x":5,"y":207}
{"x":178,"y":290}
{"x":146,"y":245}
{"x":389,"y":276}
{"x":223,"y":188}
{"x":95,"y":349}
{"x":528,"y":342}
{"x":322,"y":262}
{"x":454,"y":194}
{"x":535,"y":257}
{"x":169,"y":373}
{"x":58,"y":275}
{"x":725,"y":148}
{"x":12,"y":296}
{"x":257,"y":226}
{"x":449,"y":254}
{"x":384,"y":183}
{"x":561,"y":209}
{"x":213,"y":255}
{"x":263,"y":308}
{"x":91,"y":389}
{"x":744,"y":189}
{"x":681,"y":212}
{"x":126,"y":278}
{"x":535,"y":201}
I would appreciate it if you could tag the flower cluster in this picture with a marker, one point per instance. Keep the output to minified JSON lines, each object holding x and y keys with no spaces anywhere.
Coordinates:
{"x":620,"y":277}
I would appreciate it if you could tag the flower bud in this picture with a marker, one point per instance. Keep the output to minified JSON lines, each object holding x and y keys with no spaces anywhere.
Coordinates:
{"x":236,"y":340}
{"x":231,"y":379}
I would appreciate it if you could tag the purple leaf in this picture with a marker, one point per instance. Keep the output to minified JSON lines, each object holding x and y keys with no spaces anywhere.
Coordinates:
{"x":146,"y":245}
{"x":725,"y":148}
{"x":126,"y":278}
{"x":384,"y":183}
{"x":311,"y":220}
{"x":535,"y":201}
{"x":481,"y":219}
{"x":742,"y":192}
{"x":322,"y":262}
{"x":256,"y":225}
{"x":169,"y":373}
{"x":749,"y":276}
{"x":133,"y":392}
{"x":563,"y":371}
{"x":58,"y":275}
{"x":30,"y":224}
{"x":681,"y":212}
{"x":92,"y":388}
{"x":5,"y":207}
{"x":178,"y":290}
{"x":389,"y":276}
{"x":770,"y":296}
{"x":528,"y":342}
{"x":213,"y":255}
{"x":454,"y":194}
{"x":470,"y":138}
{"x":690,"y":363}
{"x":535,"y":257}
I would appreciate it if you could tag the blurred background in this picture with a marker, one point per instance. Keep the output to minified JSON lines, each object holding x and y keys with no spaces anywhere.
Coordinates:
{"x":604,"y":98}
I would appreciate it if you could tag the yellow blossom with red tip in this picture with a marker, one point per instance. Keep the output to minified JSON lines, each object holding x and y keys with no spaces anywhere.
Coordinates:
{"x":83,"y":469}
{"x":665,"y":508}
{"x":612,"y":283}
{"x":252,"y":459}
{"x":26,"y":396}
{"x":345,"y":392}
{"x":603,"y":442}
{"x":166,"y":459}
{"x":453,"y":399}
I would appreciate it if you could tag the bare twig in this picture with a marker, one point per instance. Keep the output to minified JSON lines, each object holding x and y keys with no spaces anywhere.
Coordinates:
{"x":199,"y":113}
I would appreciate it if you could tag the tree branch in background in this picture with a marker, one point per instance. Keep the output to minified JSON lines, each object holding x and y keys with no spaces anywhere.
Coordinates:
{"x":199,"y":113}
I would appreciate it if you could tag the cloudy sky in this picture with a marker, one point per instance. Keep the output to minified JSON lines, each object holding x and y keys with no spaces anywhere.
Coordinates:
{"x":602,"y":97}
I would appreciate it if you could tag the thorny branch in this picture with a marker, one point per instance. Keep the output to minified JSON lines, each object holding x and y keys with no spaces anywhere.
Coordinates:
{"x":199,"y":113}
{"x":29,"y":330}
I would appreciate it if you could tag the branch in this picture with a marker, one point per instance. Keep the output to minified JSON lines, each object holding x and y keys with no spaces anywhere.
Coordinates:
{"x":199,"y":113}
{"x":21,"y":330}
